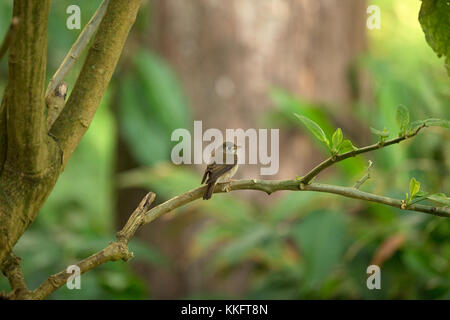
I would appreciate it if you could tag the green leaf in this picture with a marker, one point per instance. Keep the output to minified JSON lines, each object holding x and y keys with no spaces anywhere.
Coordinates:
{"x":434,"y":17}
{"x":402,"y":118}
{"x":314,"y":128}
{"x":381,"y":134}
{"x":414,"y":187}
{"x":440,"y":198}
{"x":337,"y":139}
{"x":347,"y":145}
{"x":432,"y":122}
{"x":437,"y":123}
{"x":421,"y":194}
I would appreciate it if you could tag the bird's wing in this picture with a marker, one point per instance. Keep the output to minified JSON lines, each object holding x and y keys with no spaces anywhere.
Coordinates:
{"x":205,"y":175}
{"x":214,"y":171}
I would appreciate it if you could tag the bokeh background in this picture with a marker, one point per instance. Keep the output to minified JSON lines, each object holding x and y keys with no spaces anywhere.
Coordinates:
{"x":251,"y":64}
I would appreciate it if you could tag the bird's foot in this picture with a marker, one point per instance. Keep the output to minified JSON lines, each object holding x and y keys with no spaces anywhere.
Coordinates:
{"x":227,"y":186}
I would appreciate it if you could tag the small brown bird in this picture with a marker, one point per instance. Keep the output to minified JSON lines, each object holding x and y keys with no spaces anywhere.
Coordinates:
{"x":218,"y":173}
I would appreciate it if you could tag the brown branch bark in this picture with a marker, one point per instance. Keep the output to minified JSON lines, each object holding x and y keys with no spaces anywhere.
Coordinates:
{"x":25,"y":106}
{"x":12,"y":270}
{"x":270,"y":186}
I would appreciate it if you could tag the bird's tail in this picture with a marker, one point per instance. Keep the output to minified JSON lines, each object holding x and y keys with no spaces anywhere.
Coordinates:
{"x":209,"y":190}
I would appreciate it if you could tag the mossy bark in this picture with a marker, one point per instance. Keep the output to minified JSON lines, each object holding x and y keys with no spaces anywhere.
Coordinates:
{"x":29,"y":155}
{"x":31,"y":159}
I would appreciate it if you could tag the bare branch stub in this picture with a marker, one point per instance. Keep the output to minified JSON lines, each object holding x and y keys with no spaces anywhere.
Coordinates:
{"x":366,"y":177}
{"x":11,"y":268}
{"x":55,"y":103}
{"x":136,"y":219}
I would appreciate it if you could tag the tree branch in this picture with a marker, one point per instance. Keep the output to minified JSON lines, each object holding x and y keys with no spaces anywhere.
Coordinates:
{"x":29,"y":157}
{"x":12,"y":270}
{"x":25,"y":107}
{"x":72,"y":56}
{"x":142,"y":215}
{"x":94,"y":77}
{"x":9,"y":36}
{"x":270,"y":186}
{"x":366,"y":177}
{"x":337,"y":158}
{"x":114,"y":251}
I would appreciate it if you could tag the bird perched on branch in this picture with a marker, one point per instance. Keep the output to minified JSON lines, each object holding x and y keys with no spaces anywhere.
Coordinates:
{"x":220,"y":172}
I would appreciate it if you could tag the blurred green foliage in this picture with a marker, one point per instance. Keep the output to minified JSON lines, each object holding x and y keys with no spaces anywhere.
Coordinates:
{"x":434,"y":16}
{"x":303,"y":245}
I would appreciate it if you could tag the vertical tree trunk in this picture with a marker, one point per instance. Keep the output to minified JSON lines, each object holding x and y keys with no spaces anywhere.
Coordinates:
{"x":229,"y":55}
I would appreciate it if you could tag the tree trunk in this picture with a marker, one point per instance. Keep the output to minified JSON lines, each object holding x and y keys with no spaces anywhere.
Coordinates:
{"x":31,"y":157}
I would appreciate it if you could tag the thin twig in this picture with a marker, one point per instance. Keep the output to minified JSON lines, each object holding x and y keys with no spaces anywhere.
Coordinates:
{"x":9,"y":36}
{"x":77,"y":48}
{"x":337,"y":158}
{"x":366,"y":177}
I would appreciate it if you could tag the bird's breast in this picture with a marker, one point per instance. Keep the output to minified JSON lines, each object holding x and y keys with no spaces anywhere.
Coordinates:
{"x":228,"y":175}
